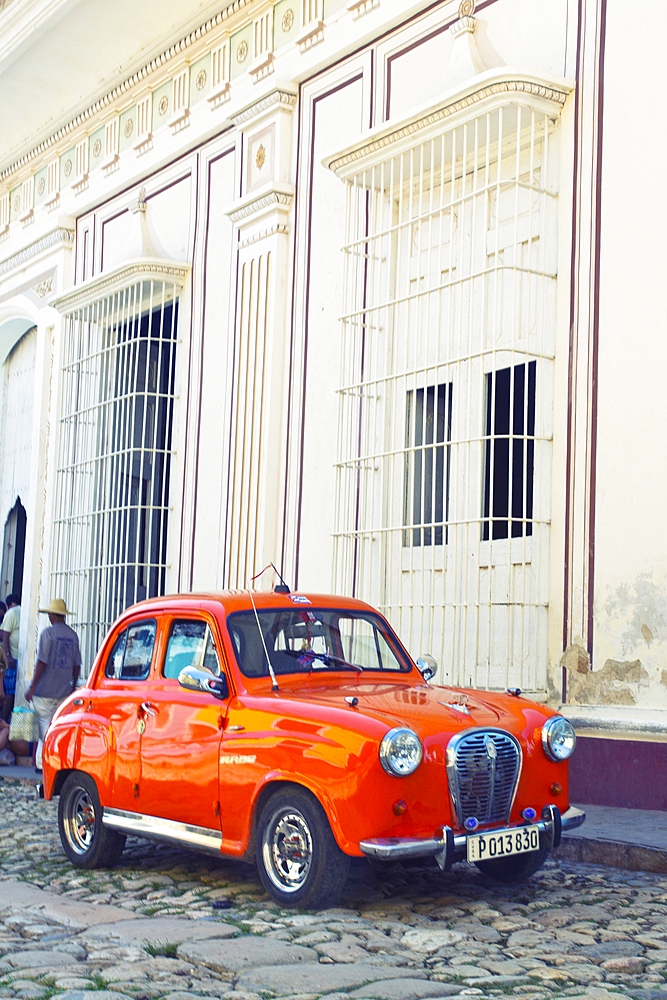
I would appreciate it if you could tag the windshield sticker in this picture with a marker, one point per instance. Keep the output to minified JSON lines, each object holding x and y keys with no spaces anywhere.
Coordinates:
{"x":299,"y":599}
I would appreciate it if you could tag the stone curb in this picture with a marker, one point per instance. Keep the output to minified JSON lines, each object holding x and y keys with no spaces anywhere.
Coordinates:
{"x":613,"y":853}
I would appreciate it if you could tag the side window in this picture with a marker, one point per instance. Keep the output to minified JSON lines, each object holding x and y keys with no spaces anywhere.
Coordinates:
{"x":130,"y":658}
{"x":191,"y":643}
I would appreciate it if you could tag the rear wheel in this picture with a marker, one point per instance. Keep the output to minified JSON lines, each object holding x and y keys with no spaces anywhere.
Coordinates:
{"x":86,"y":841}
{"x":298,"y":859}
{"x":516,"y":867}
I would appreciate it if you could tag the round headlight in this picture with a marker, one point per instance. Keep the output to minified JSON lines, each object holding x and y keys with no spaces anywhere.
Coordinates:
{"x":558,"y":738}
{"x":400,"y":752}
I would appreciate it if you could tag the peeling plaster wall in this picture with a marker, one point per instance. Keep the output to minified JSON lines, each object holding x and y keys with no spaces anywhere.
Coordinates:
{"x":631,"y":628}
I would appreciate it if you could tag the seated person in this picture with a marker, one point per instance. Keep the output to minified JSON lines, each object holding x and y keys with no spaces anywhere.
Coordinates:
{"x":20,"y":748}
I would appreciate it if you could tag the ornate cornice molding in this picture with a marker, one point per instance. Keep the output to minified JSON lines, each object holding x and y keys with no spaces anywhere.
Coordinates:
{"x":58,"y":237}
{"x":485,"y":90}
{"x":276,"y":199}
{"x":279,"y":96}
{"x":169,"y":271}
{"x":279,"y":227}
{"x":132,"y":81}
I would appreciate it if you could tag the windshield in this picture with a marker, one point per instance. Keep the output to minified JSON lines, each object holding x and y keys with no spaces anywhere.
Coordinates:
{"x":305,"y":640}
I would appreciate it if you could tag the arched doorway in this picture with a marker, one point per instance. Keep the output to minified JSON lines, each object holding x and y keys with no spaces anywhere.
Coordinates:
{"x":13,"y":550}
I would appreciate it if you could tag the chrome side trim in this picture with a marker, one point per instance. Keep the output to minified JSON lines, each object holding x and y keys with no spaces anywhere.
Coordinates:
{"x":156,"y":828}
{"x":393,"y":848}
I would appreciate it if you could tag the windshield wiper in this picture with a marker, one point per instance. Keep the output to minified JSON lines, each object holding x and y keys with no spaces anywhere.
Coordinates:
{"x":308,"y":657}
{"x":339,"y":660}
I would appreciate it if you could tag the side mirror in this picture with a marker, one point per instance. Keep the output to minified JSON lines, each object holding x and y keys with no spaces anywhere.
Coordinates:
{"x":427,"y":666}
{"x":198,"y":679}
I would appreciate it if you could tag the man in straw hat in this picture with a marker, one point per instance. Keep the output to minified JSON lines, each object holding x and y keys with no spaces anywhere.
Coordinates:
{"x":56,"y":670}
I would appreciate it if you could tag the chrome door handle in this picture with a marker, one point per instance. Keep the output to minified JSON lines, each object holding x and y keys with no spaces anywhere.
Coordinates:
{"x":148,"y":709}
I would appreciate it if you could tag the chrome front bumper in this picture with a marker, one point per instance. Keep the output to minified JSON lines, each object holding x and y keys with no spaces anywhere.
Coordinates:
{"x":449,"y":847}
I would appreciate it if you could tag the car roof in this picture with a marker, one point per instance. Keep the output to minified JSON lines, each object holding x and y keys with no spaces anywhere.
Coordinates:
{"x":242,"y":600}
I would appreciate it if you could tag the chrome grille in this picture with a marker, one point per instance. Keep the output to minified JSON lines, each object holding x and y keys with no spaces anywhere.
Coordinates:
{"x":483,"y":767}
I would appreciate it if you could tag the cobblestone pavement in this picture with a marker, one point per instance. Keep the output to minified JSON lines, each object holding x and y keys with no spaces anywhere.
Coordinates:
{"x":165,"y":924}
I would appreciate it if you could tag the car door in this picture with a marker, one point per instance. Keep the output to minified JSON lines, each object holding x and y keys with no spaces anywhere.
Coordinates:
{"x":183,"y":729}
{"x":112,"y":720}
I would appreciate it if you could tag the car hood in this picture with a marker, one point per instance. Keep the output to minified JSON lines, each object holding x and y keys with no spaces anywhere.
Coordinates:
{"x":427,"y":709}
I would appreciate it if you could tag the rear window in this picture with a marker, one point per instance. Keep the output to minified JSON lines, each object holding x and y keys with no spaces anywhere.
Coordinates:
{"x":310,"y":640}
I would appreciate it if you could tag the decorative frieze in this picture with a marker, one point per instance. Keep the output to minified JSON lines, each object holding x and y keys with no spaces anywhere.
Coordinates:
{"x":144,"y":139}
{"x":58,"y":237}
{"x":111,"y":140}
{"x":357,"y":8}
{"x":80,"y":182}
{"x":220,"y":89}
{"x":52,"y":184}
{"x":262,"y":63}
{"x":312,"y":24}
{"x":180,"y":118}
{"x":4,"y":216}
{"x":27,"y":201}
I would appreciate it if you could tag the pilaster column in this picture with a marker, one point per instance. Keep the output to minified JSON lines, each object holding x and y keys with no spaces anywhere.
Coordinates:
{"x":261,"y":217}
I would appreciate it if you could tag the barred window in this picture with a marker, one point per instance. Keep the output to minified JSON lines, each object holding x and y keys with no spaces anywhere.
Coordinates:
{"x":115,"y":446}
{"x":446,"y":385}
{"x":428,"y":430}
{"x":510,"y":452}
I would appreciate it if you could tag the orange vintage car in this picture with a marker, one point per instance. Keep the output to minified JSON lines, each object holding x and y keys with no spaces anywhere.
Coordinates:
{"x":296,"y":730}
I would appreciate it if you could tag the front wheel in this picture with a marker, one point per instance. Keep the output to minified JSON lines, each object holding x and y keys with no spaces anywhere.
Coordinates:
{"x":299,"y":861}
{"x":86,"y":841}
{"x":517,"y":867}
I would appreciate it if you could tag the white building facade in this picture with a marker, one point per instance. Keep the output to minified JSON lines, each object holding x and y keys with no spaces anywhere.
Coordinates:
{"x":360,"y":289}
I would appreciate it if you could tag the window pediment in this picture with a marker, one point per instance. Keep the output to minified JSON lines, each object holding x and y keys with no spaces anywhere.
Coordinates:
{"x":485,"y":92}
{"x":156,"y":269}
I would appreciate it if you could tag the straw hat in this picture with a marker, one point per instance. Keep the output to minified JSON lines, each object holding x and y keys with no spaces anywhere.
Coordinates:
{"x":56,"y":607}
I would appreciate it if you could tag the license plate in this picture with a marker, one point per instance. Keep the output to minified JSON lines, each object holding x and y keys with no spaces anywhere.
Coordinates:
{"x":520,"y":840}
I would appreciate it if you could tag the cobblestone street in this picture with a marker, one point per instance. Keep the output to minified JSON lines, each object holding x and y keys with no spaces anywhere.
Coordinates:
{"x":170,"y":925}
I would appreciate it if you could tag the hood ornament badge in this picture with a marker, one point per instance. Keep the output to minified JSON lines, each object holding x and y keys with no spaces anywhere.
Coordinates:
{"x":461,"y":705}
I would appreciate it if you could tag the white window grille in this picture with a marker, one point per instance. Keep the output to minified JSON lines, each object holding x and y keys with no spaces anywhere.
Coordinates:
{"x":444,"y":463}
{"x":4,"y":212}
{"x":115,"y":450}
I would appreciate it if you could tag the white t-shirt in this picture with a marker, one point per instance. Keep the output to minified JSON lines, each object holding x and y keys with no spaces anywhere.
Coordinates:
{"x":12,"y":623}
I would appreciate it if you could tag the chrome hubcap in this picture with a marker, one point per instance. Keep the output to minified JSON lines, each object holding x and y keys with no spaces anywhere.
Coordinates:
{"x":80,"y":825}
{"x":287,"y":849}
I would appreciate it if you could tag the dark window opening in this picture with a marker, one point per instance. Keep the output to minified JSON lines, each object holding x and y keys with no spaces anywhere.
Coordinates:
{"x":509,"y":452}
{"x":13,"y":553}
{"x":137,"y":426}
{"x":428,"y":432}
